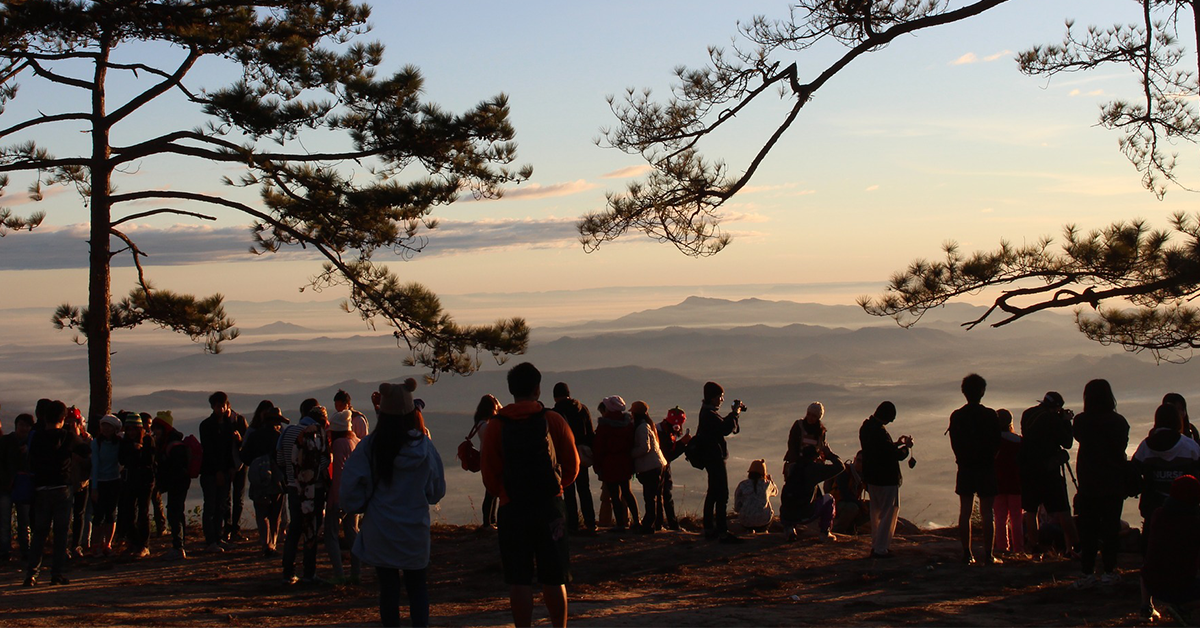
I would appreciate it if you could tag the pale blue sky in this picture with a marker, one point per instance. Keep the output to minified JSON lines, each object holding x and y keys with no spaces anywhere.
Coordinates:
{"x":904,"y":150}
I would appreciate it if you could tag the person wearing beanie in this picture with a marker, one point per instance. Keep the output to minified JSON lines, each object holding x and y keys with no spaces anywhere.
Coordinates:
{"x":881,"y":458}
{"x":531,"y":511}
{"x":1169,"y":570}
{"x":613,"y":447}
{"x":358,"y":420}
{"x":392,"y":477}
{"x":672,"y":440}
{"x":172,"y":459}
{"x":648,"y":463}
{"x":106,"y":483}
{"x":1046,"y":438}
{"x":138,"y":471}
{"x":342,"y":442}
{"x":752,"y":498}
{"x":713,"y":451}
{"x":806,"y":431}
{"x":581,"y":509}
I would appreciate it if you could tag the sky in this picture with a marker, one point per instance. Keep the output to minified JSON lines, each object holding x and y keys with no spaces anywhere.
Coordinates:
{"x":936,"y":138}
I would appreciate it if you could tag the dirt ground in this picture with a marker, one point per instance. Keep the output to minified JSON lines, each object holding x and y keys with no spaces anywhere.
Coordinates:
{"x":667,"y":579}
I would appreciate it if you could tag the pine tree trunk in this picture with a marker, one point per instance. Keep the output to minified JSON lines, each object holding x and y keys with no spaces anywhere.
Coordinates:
{"x":99,"y":331}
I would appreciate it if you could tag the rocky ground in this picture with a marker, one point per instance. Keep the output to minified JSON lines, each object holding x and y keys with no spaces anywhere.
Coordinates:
{"x":668,"y":579}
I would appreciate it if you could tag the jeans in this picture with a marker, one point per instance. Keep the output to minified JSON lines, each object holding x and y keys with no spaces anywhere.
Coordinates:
{"x":885,"y":510}
{"x":298,"y":525}
{"x":1099,"y":530}
{"x":415,"y":585}
{"x":665,"y":517}
{"x":177,"y":513}
{"x":6,"y":531}
{"x":578,"y":497}
{"x":233,"y":525}
{"x":160,"y":514}
{"x":50,"y":506}
{"x":623,"y":502}
{"x":348,"y":523}
{"x":133,"y":517}
{"x":651,"y":482}
{"x":78,"y":508}
{"x":216,"y":506}
{"x":716,"y":500}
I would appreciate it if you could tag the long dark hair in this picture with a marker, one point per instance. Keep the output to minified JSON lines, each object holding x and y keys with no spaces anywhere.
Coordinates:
{"x":260,"y":414}
{"x":487,"y":408}
{"x":392,"y":431}
{"x":1098,"y":396}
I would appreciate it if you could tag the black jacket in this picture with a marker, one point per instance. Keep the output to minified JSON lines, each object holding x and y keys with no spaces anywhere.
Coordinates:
{"x":800,"y":487}
{"x":50,"y":457}
{"x":1100,"y":464}
{"x":172,"y":460}
{"x":579,"y":418}
{"x":881,"y":455}
{"x":137,"y":463}
{"x":1046,"y":435}
{"x":975,"y":436}
{"x":712,"y":430}
{"x":220,"y":446}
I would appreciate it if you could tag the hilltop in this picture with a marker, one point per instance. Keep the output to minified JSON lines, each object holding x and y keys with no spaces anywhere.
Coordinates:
{"x":669,"y":579}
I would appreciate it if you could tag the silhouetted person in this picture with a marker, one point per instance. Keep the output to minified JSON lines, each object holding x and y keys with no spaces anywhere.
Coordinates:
{"x":1172,"y":549}
{"x":1164,"y":455}
{"x":1179,"y":403}
{"x":221,"y":441}
{"x":881,"y":458}
{"x":1102,"y":435}
{"x":580,"y":507}
{"x":710,"y":437}
{"x":1046,"y":437}
{"x":50,"y":450}
{"x":975,"y":439}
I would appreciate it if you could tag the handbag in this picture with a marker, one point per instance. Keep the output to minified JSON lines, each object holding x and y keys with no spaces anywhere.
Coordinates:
{"x":467,"y":454}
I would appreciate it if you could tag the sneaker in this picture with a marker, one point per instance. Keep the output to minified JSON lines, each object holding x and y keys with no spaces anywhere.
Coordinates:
{"x":215,"y":548}
{"x":290,"y":580}
{"x":226,"y":545}
{"x":77,"y":552}
{"x":992,"y":560}
{"x":1085,"y":582}
{"x":1110,"y":579}
{"x":140,"y":552}
{"x":56,"y":580}
{"x":175,"y":554}
{"x":1149,"y":614}
{"x":792,"y":536}
{"x":30,"y":581}
{"x":827,"y":536}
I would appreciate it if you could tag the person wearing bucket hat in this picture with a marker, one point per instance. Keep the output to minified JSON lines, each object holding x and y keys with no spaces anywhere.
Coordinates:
{"x":172,"y":478}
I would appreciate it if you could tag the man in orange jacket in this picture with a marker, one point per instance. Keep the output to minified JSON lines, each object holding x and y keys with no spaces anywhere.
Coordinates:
{"x":527,"y":457}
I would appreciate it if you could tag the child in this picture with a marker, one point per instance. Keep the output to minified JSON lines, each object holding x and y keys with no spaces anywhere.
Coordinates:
{"x":752,"y":499}
{"x":1010,"y":533}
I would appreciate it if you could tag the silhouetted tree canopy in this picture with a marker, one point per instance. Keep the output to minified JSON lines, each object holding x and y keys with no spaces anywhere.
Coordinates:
{"x":302,"y":74}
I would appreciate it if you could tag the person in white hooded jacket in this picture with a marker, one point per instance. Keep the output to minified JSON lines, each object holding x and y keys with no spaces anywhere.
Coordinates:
{"x":392,"y":478}
{"x":648,"y":463}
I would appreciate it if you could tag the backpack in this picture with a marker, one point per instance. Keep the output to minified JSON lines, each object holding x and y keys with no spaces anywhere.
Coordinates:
{"x":531,"y":473}
{"x":694,"y":453}
{"x":195,"y":455}
{"x":467,"y":452}
{"x":263,"y":478}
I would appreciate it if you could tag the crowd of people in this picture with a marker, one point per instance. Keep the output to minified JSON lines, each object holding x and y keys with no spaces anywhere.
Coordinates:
{"x":334,"y":480}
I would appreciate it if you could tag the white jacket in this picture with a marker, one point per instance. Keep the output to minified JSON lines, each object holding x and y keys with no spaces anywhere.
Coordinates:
{"x":394,"y":532}
{"x":647,"y":455}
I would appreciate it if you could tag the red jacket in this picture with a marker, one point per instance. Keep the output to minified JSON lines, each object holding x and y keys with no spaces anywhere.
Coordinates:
{"x":613,"y":449}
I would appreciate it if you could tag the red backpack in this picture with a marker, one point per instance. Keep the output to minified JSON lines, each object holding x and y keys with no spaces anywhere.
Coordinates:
{"x":467,"y":454}
{"x":195,"y":455}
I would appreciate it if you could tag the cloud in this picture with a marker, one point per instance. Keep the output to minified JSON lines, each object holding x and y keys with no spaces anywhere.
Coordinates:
{"x":536,"y":190}
{"x":180,"y":245}
{"x":628,"y":172}
{"x":971,"y":57}
{"x":871,"y":188}
{"x":744,"y":217}
{"x":1077,"y":92}
{"x":784,"y":187}
{"x":48,"y":192}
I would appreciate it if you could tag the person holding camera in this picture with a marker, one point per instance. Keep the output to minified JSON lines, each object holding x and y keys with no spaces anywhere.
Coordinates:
{"x":881,"y":458}
{"x":1046,"y":435}
{"x":711,"y":435}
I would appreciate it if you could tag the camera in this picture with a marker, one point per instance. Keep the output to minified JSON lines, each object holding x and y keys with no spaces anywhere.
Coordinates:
{"x":738,"y":406}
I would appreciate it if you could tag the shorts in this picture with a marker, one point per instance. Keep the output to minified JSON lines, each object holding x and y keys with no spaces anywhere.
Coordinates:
{"x":1044,"y":489}
{"x":530,"y":536}
{"x":979,"y":481}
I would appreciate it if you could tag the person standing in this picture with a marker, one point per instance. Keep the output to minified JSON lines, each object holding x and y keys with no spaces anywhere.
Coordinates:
{"x":579,"y":493}
{"x":306,"y":463}
{"x":881,"y":458}
{"x":648,"y":464}
{"x":105,"y":483}
{"x":710,"y":437}
{"x":528,"y":457}
{"x":614,"y":459}
{"x":50,"y":450}
{"x":342,"y":443}
{"x":137,"y":483}
{"x":975,"y":438}
{"x":14,"y":463}
{"x":1046,"y":437}
{"x":358,"y":420}
{"x":265,"y":477}
{"x":1179,"y":403}
{"x":673,"y":441}
{"x":220,"y":440}
{"x":1010,"y":536}
{"x":485,"y":411}
{"x":1102,"y":435}
{"x":81,"y":473}
{"x":172,"y":479}
{"x":393,"y":476}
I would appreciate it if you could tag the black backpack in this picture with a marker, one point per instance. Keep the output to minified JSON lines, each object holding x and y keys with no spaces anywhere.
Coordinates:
{"x":694,"y":452}
{"x":531,"y":472}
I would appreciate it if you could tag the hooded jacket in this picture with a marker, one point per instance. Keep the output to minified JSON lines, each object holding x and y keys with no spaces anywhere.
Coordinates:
{"x":1100,"y":463}
{"x":647,"y":452}
{"x":492,"y":451}
{"x":1160,"y":458}
{"x":613,"y":448}
{"x":394,"y":531}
